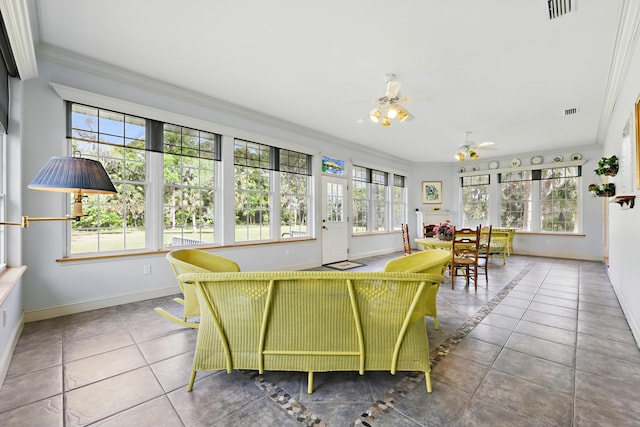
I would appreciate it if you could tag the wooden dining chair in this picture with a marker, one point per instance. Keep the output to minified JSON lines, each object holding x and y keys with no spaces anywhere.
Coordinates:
{"x":484,"y":251}
{"x":406,"y":244}
{"x":464,"y":255}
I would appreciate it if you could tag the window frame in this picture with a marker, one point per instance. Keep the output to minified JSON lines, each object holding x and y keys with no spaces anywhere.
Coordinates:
{"x":274,"y":169}
{"x":495,"y":205}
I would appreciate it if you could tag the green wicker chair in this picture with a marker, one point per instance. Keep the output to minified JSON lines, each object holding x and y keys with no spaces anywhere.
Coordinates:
{"x":193,"y":261}
{"x":430,"y":261}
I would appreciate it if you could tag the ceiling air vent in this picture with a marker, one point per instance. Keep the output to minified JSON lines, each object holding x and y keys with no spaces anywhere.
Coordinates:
{"x":557,"y":8}
{"x":570,"y":111}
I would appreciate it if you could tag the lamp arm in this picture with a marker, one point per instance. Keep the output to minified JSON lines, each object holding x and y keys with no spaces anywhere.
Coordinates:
{"x":27,"y":219}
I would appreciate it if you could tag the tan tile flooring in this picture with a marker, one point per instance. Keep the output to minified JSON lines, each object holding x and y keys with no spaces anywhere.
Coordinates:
{"x":555,"y":350}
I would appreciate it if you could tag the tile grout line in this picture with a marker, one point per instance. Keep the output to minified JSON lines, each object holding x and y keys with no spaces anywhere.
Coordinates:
{"x":395,"y":393}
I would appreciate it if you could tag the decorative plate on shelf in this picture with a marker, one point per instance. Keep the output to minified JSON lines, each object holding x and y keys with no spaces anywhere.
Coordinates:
{"x":476,"y":168}
{"x":536,"y":160}
{"x":576,"y":156}
{"x":494,"y":164}
{"x":515,"y":163}
{"x":558,"y":159}
{"x":462,"y":170}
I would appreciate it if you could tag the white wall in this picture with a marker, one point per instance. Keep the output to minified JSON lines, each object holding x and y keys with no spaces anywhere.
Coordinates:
{"x":624,"y":224}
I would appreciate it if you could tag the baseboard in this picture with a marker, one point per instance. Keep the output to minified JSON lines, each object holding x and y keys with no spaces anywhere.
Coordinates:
{"x":7,"y":354}
{"x":88,"y":305}
{"x":628,"y":315}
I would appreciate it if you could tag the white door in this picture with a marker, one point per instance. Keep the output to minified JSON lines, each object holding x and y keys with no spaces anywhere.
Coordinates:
{"x":335,"y":230}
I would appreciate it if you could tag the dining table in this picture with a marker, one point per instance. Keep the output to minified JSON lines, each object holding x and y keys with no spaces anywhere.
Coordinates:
{"x":433,"y":243}
{"x":499,"y":243}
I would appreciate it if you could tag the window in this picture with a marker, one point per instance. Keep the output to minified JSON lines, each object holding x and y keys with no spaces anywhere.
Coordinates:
{"x":515,"y":207}
{"x":360,"y":200}
{"x":536,"y":200}
{"x":3,"y":204}
{"x":559,"y":199}
{"x":370,"y":200}
{"x":264,"y":175}
{"x":399,"y":201}
{"x":190,"y":158}
{"x":254,"y":194}
{"x":475,"y":200}
{"x":167,"y":178}
{"x":295,"y":197}
{"x":379,"y":201}
{"x":111,"y":222}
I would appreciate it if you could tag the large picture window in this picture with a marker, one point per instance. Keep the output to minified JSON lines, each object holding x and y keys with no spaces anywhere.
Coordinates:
{"x":535,"y":200}
{"x":295,"y":196}
{"x":167,"y":181}
{"x":475,"y":200}
{"x":111,"y":222}
{"x":190,"y":158}
{"x":264,"y":175}
{"x":515,"y":201}
{"x":370,"y":200}
{"x":559,"y":199}
{"x":399,"y":201}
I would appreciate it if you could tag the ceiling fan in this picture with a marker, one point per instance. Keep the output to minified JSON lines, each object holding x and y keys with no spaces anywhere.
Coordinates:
{"x":469,"y":149}
{"x":390,"y":104}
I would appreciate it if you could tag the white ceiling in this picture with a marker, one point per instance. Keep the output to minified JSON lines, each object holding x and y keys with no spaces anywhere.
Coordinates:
{"x":499,"y":68}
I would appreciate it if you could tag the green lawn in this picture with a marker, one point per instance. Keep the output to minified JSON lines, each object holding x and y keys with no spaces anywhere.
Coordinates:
{"x":109,"y":242}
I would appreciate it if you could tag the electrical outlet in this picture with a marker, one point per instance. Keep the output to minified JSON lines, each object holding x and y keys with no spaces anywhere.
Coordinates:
{"x":147,"y":269}
{"x":286,"y":252}
{"x":4,"y":317}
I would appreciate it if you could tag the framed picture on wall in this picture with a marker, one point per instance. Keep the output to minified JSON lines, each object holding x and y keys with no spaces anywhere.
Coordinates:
{"x":431,"y":192}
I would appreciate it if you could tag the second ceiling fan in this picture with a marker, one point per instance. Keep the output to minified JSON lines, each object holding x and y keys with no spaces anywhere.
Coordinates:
{"x":469,"y":150}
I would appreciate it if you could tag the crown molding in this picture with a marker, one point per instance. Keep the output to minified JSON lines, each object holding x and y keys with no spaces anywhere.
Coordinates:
{"x":15,"y":14}
{"x":109,"y":71}
{"x":625,"y":43}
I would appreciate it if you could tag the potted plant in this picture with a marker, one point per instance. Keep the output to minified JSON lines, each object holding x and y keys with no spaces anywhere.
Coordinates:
{"x":607,"y":166}
{"x":604,"y":190}
{"x":444,"y":231}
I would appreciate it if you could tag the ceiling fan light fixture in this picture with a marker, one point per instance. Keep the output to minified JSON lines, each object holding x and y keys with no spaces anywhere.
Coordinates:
{"x":375,"y":115}
{"x":390,"y":104}
{"x":392,"y":112}
{"x":403,"y":115}
{"x":459,"y":156}
{"x":473,"y":155}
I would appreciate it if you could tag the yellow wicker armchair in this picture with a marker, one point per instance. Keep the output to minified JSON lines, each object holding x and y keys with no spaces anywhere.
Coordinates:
{"x":311,"y":321}
{"x":193,"y":261}
{"x":430,"y":261}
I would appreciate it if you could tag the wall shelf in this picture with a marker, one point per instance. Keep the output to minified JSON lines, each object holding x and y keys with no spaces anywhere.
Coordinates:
{"x":628,"y":201}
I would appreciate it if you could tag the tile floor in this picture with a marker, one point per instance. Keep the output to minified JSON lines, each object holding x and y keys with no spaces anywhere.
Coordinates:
{"x":545,"y":343}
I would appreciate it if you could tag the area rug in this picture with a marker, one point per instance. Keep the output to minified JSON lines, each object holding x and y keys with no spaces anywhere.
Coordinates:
{"x":343,"y":265}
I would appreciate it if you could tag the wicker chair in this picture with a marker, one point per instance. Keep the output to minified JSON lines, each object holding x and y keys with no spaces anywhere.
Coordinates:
{"x":193,"y":261}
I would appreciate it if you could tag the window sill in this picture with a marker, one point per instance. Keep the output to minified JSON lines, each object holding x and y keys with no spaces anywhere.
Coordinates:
{"x":9,"y":278}
{"x":375,"y":233}
{"x":98,"y":257}
{"x":549,"y":233}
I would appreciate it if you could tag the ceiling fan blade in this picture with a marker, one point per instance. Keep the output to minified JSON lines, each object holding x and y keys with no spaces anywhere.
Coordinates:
{"x":485,"y":144}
